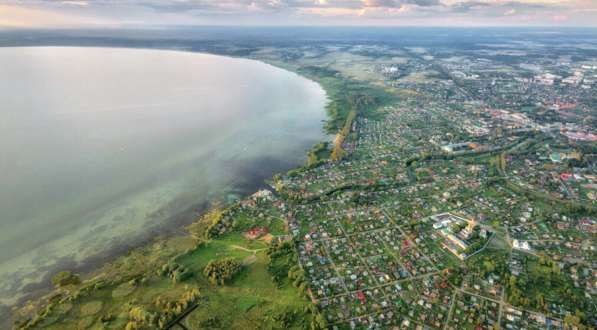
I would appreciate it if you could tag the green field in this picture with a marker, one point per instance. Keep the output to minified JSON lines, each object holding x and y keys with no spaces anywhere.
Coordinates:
{"x":251,"y":300}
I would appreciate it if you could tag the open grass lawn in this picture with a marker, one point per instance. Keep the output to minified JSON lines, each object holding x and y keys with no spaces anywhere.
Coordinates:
{"x":247,"y":301}
{"x":230,"y":246}
{"x":249,"y":298}
{"x":498,"y":242}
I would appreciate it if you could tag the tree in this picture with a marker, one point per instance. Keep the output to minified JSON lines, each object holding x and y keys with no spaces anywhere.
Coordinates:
{"x":338,"y":153}
{"x":319,"y":322}
{"x":139,"y":318}
{"x":489,"y":266}
{"x":220,"y":271}
{"x":283,"y":263}
{"x":574,"y":320}
{"x":457,"y":227}
{"x":175,"y":271}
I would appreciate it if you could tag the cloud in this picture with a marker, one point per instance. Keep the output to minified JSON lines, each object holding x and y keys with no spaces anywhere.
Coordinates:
{"x":76,"y":3}
{"x":524,"y":10}
{"x":399,"y":3}
{"x":12,"y":16}
{"x":305,"y":12}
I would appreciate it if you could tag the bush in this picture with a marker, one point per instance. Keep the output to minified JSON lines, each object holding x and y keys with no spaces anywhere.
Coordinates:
{"x":181,"y":275}
{"x":176,"y":272}
{"x":65,"y":278}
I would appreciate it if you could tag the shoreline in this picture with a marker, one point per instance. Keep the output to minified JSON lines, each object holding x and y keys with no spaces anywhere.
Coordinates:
{"x":95,"y":262}
{"x":174,"y":226}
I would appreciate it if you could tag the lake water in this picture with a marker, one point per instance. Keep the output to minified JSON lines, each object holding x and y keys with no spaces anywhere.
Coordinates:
{"x":99,"y":146}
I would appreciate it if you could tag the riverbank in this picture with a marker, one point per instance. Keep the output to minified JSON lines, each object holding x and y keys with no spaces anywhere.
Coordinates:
{"x":131,"y":281}
{"x":343,"y":94}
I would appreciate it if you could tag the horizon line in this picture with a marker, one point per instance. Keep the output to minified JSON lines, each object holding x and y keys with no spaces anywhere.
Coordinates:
{"x":311,"y":26}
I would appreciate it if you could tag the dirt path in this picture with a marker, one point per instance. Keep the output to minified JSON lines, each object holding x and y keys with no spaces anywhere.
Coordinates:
{"x":238,"y":247}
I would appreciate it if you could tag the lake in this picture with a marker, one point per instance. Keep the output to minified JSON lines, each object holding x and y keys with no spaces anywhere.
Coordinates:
{"x":103,"y":147}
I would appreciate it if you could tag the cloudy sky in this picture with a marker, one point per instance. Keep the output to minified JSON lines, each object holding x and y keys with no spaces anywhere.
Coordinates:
{"x":148,"y":13}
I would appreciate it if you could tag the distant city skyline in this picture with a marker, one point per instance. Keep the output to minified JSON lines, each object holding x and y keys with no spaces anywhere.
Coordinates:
{"x":151,"y":13}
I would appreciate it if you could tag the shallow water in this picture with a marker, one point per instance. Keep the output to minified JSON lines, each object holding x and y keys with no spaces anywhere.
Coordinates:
{"x":100,"y":145}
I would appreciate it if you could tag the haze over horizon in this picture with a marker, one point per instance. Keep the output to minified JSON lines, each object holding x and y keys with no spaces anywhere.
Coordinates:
{"x":160,"y":13}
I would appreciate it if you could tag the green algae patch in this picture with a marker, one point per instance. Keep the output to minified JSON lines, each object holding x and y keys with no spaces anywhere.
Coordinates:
{"x":85,"y":323}
{"x":91,"y":308}
{"x":123,"y":290}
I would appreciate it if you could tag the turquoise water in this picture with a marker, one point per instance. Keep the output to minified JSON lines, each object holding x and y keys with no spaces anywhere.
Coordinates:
{"x":100,"y":146}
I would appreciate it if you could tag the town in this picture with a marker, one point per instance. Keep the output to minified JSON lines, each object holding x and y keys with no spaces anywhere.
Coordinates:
{"x":458,"y":190}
